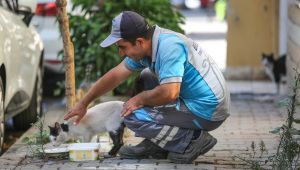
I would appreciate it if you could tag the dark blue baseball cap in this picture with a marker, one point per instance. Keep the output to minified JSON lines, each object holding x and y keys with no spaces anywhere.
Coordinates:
{"x":127,"y":25}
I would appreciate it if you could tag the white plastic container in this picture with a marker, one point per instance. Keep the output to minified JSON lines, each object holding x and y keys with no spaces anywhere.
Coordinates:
{"x":84,"y":151}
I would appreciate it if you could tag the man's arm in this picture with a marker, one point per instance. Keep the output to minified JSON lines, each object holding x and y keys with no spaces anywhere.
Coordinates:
{"x":107,"y":82}
{"x":160,"y":95}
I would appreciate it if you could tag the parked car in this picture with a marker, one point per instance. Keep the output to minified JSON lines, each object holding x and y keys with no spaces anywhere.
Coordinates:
{"x":48,"y":28}
{"x":21,"y":65}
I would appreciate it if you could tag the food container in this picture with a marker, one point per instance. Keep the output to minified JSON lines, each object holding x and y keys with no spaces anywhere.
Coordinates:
{"x":62,"y":151}
{"x":84,"y":151}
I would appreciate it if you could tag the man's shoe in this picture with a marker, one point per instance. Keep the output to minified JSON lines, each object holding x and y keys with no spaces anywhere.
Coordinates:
{"x":197,"y":147}
{"x":145,"y":149}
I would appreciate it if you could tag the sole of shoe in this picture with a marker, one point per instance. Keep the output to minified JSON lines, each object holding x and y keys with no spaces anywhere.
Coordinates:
{"x":162,"y":155}
{"x":133,"y":156}
{"x":208,"y":146}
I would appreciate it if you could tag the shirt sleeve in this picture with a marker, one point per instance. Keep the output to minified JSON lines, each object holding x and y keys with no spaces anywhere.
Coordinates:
{"x":133,"y":65}
{"x":172,"y":56}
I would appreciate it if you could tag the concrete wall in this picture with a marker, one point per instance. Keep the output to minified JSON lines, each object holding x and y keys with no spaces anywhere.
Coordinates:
{"x":293,"y":41}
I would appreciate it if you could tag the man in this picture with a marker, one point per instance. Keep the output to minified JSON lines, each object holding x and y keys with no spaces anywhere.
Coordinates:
{"x":190,"y":100}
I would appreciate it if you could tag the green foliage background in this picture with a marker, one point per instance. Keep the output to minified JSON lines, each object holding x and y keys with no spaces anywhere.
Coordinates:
{"x":93,"y":25}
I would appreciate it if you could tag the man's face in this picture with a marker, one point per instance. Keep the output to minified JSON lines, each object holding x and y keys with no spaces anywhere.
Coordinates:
{"x":134,"y":52}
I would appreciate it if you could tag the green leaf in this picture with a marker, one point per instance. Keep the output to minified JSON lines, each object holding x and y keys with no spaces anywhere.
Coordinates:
{"x":25,"y":140}
{"x":276,"y":130}
{"x":283,"y":102}
{"x":296,"y":121}
{"x":294,"y":131}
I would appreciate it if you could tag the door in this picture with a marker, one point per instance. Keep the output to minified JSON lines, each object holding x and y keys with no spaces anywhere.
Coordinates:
{"x":252,"y":30}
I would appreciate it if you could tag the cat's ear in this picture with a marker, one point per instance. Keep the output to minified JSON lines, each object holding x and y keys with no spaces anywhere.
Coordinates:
{"x":57,"y":125}
{"x":64,"y":127}
{"x":50,"y":127}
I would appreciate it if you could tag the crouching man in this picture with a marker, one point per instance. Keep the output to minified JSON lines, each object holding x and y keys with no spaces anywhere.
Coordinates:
{"x":175,"y":116}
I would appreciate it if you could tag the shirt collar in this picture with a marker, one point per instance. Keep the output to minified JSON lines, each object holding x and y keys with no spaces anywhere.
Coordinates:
{"x":155,"y":42}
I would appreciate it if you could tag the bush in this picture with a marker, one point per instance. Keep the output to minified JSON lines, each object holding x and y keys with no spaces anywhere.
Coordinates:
{"x":93,"y":25}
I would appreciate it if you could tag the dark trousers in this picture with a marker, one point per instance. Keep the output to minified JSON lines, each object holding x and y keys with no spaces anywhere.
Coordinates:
{"x":169,"y":126}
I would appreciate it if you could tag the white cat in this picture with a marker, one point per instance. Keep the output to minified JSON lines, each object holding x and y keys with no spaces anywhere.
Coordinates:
{"x":104,"y":117}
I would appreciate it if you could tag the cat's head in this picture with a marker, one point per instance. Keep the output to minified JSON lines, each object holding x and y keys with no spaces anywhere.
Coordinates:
{"x":267,"y":59}
{"x":58,"y":133}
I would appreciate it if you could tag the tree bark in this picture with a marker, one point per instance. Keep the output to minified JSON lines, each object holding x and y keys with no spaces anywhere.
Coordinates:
{"x":68,"y":52}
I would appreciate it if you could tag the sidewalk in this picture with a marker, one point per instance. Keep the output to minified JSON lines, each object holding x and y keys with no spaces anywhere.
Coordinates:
{"x":251,"y":120}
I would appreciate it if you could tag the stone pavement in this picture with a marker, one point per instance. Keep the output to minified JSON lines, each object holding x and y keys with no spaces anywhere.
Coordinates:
{"x":252,"y":117}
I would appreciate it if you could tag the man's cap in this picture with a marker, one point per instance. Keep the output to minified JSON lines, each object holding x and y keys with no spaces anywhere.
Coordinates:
{"x":127,"y":24}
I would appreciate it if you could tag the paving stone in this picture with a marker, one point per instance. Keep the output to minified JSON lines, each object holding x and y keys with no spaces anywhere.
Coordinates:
{"x":7,"y":167}
{"x":30,"y":167}
{"x":90,"y":163}
{"x":250,"y":121}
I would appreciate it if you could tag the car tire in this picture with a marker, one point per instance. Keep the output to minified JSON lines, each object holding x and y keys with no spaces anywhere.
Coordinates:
{"x":2,"y":111}
{"x":24,"y":120}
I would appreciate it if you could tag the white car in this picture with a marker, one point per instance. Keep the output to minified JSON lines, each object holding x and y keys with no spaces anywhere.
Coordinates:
{"x":21,"y":65}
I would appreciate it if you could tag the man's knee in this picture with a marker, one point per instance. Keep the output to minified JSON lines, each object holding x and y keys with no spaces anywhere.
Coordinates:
{"x":132,"y":122}
{"x":138,"y":121}
{"x":146,"y":81}
{"x":128,"y":120}
{"x":150,"y":79}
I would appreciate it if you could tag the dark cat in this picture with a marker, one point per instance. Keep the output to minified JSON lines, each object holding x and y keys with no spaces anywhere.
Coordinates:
{"x":274,"y":68}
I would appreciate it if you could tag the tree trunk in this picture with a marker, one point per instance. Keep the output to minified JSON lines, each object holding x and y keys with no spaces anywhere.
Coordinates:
{"x":68,"y":52}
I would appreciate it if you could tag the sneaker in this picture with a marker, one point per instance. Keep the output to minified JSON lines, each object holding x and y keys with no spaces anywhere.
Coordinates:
{"x":144,"y":150}
{"x":197,"y":147}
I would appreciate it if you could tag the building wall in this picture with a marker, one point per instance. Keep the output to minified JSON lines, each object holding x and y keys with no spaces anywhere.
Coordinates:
{"x":293,"y":42}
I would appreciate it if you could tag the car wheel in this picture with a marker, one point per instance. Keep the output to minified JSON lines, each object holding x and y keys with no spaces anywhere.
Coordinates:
{"x":1,"y":116}
{"x":23,"y":120}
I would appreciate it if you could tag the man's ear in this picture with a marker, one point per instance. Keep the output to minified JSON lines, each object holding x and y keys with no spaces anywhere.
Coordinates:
{"x":140,"y":41}
{"x":121,"y":53}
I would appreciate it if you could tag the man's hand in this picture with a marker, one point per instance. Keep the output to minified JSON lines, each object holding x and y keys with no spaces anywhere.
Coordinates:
{"x":78,"y":110}
{"x":160,"y":95}
{"x":131,"y":105}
